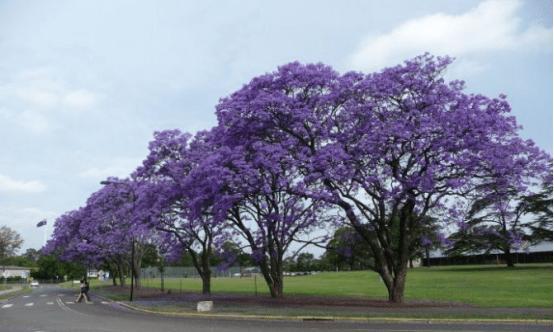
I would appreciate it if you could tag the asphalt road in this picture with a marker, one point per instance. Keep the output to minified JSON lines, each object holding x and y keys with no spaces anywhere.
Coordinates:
{"x":51,"y":309}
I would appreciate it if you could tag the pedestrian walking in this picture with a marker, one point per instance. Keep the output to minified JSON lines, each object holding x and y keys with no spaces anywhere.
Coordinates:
{"x":83,"y":291}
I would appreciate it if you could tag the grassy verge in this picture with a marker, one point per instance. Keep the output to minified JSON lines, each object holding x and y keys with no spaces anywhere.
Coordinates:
{"x":486,"y":286}
{"x":22,"y":291}
{"x":69,"y":284}
{"x":111,"y":295}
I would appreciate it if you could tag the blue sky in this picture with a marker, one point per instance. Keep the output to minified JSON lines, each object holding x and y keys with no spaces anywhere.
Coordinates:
{"x":83,"y":84}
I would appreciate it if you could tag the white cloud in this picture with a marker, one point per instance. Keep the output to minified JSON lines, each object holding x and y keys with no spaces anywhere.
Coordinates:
{"x":466,"y":67}
{"x":33,"y":121}
{"x":121,"y":167}
{"x":79,"y":99}
{"x":33,"y":99}
{"x":9,"y":185}
{"x":37,"y":97}
{"x":491,"y":26}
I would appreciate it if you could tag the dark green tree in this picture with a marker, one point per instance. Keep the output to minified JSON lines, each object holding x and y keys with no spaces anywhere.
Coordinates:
{"x":32,"y":255}
{"x":540,"y":206}
{"x":10,"y":242}
{"x":347,"y":251}
{"x":503,"y":220}
{"x":50,"y":268}
{"x":306,"y":262}
{"x":150,"y":256}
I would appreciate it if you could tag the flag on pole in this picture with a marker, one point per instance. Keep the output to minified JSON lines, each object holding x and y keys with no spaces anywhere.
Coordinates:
{"x":41,"y":223}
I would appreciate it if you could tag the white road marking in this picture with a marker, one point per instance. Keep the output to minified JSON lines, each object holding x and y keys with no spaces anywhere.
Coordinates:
{"x":42,"y":295}
{"x":105,"y":302}
{"x":66,"y":308}
{"x":30,"y":304}
{"x":69,"y":302}
{"x":26,"y":296}
{"x":7,"y":305}
{"x":49,"y":302}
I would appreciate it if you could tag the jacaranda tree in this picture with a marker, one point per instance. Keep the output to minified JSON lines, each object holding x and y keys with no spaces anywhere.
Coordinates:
{"x":71,"y":243}
{"x":116,"y":205}
{"x":103,"y":231}
{"x":252,"y":189}
{"x":387,"y":148}
{"x":164,"y":197}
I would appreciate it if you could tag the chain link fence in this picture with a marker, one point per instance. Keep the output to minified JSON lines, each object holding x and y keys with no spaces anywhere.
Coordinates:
{"x":190,"y":272}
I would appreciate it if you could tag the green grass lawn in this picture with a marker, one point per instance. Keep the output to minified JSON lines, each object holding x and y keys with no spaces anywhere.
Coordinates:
{"x":8,"y":286}
{"x":527,"y":285}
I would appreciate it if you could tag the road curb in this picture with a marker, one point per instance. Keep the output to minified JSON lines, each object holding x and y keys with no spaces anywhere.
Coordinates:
{"x":335,"y":318}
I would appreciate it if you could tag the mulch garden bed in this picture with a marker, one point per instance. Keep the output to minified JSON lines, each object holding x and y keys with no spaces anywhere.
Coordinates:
{"x":150,"y":294}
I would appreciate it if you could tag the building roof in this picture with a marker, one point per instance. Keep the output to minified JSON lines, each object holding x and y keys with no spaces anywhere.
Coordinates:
{"x":545,"y":246}
{"x":12,"y":267}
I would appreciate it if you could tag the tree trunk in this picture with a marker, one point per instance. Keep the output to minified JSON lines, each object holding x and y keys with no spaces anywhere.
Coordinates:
{"x":120,"y":275}
{"x":162,"y":269}
{"x":508,"y":257}
{"x":137,"y":280}
{"x":274,"y":284}
{"x":277,"y":287}
{"x":137,"y":264}
{"x":137,"y":272}
{"x":395,"y":281}
{"x":206,"y":273}
{"x":273,"y":277}
{"x":396,"y":289}
{"x":411,"y":263}
{"x":206,"y":284}
{"x":201,"y":263}
{"x":427,"y":257}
